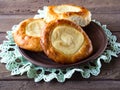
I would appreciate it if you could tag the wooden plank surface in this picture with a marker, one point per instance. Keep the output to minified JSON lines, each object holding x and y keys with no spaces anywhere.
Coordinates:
{"x":105,"y":11}
{"x":31,"y":6}
{"x":69,"y":85}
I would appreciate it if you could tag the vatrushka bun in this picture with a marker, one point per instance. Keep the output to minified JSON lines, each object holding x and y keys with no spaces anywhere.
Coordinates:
{"x":65,"y":42}
{"x":77,"y":14}
{"x":28,"y":33}
{"x":58,"y":34}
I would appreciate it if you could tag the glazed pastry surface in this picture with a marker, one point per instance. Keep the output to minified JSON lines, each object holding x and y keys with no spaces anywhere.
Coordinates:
{"x":28,"y":33}
{"x":65,"y":42}
{"x":77,"y":14}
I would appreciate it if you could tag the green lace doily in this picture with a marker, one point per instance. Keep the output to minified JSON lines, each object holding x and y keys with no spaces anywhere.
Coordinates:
{"x":18,"y":65}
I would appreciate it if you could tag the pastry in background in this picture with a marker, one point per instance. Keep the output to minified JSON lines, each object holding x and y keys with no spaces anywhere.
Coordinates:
{"x":65,"y":42}
{"x":77,"y":14}
{"x":28,"y":33}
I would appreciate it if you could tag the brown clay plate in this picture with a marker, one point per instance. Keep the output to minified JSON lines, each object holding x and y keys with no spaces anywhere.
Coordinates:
{"x":99,"y":42}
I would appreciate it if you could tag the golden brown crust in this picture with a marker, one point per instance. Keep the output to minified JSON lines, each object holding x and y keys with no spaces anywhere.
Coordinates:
{"x":82,"y":17}
{"x":84,"y":51}
{"x":25,"y":41}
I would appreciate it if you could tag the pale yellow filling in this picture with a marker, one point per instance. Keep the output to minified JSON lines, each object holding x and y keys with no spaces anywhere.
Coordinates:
{"x":67,"y":39}
{"x":66,"y":8}
{"x":34,"y":28}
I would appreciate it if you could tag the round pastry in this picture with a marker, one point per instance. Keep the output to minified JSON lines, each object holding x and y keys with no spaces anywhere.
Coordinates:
{"x":77,"y":14}
{"x":28,"y":33}
{"x":65,"y":42}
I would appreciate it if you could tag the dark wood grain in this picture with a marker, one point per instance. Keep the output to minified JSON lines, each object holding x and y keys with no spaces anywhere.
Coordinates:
{"x":2,"y":37}
{"x":31,"y":6}
{"x":69,"y":85}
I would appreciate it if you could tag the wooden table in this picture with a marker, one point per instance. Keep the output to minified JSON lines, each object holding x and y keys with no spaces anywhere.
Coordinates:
{"x":105,"y":11}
